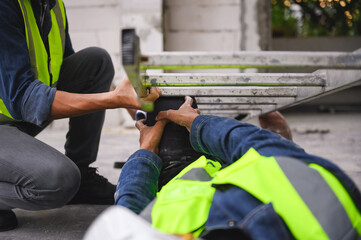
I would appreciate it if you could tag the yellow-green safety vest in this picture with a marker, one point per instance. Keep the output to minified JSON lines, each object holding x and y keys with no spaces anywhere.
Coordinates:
{"x":46,"y":68}
{"x":311,"y":201}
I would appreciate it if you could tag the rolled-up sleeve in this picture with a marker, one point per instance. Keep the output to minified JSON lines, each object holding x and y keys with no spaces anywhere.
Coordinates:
{"x":26,"y":98}
{"x":37,"y":102}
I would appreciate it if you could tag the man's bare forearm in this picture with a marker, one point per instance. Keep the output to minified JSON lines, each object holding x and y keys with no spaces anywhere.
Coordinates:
{"x":72,"y":104}
{"x":67,"y":104}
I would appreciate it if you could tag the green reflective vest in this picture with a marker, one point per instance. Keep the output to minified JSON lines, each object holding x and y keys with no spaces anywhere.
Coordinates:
{"x":46,"y":68}
{"x":301,"y":194}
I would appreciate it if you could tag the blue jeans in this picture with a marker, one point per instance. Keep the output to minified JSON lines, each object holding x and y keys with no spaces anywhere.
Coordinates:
{"x":227,"y":140}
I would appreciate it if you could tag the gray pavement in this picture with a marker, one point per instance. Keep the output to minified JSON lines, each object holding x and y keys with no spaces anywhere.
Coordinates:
{"x":336,"y":137}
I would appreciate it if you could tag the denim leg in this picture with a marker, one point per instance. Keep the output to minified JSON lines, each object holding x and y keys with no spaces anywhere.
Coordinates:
{"x":33,"y":175}
{"x":88,"y":71}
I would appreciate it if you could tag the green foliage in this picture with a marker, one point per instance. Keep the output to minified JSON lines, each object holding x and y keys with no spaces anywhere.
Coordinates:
{"x":316,"y":18}
{"x":283,"y":23}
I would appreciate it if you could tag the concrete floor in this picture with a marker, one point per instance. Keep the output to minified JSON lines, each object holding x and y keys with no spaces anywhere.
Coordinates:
{"x":336,"y":137}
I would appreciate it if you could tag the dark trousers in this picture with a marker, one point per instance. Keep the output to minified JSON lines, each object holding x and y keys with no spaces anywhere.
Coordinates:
{"x":35,"y":176}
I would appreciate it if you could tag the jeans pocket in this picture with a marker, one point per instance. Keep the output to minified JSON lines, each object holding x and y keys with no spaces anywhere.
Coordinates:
{"x":264,"y":223}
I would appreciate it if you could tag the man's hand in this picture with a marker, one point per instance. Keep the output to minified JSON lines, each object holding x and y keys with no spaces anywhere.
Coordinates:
{"x":150,"y":136}
{"x":184,"y":116}
{"x":127,"y":97}
{"x":153,"y":95}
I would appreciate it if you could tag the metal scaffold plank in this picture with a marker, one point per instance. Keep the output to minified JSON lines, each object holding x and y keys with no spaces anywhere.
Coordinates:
{"x":234,"y":113}
{"x":230,"y":91}
{"x":234,"y":79}
{"x":262,"y":59}
{"x":244,"y":100}
{"x":337,"y":80}
{"x":251,"y":112}
{"x":234,"y":107}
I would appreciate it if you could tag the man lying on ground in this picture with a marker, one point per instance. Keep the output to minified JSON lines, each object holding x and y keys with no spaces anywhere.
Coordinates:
{"x":253,"y":184}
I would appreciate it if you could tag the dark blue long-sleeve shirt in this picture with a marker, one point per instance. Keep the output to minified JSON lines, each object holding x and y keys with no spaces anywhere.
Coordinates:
{"x":25,"y":97}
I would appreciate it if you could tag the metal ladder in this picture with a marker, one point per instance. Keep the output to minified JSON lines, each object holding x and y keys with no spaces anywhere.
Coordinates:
{"x":241,"y":94}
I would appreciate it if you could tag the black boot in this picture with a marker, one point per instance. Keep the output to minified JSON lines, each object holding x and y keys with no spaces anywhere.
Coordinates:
{"x":8,"y":220}
{"x":94,"y":189}
{"x":175,"y":149}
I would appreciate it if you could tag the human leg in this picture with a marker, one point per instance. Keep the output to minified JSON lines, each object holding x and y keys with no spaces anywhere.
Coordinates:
{"x":87,"y":71}
{"x":175,"y":149}
{"x":33,"y":175}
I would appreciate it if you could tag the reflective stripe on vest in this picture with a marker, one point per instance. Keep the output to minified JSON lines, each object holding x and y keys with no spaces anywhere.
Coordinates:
{"x":45,"y":68}
{"x":302,"y":195}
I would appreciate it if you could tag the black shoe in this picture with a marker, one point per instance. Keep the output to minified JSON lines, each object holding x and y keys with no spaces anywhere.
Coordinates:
{"x":8,"y":220}
{"x":94,"y":189}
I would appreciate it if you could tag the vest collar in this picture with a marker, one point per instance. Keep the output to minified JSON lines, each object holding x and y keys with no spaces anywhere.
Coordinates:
{"x":51,"y":3}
